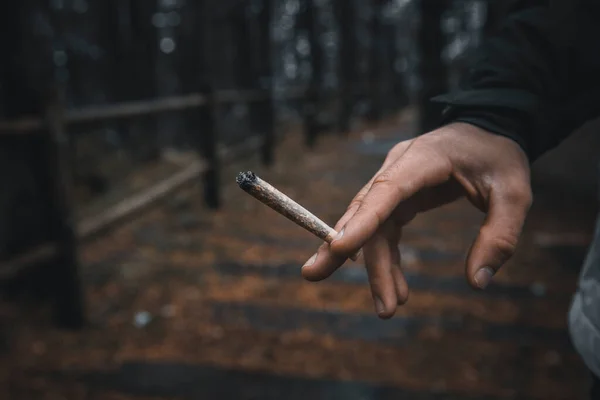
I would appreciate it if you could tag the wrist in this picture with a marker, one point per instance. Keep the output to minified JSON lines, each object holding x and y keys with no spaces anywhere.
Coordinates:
{"x":501,"y":122}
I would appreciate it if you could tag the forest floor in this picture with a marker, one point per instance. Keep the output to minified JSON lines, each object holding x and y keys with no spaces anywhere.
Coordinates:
{"x":185,"y":303}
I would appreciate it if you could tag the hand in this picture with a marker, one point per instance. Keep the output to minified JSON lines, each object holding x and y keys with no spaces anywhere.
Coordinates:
{"x":421,"y":174}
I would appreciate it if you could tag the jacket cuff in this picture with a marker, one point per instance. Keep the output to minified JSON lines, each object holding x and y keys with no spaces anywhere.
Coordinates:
{"x":500,"y":121}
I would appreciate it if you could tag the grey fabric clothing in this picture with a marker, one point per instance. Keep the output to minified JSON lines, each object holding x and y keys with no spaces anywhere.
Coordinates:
{"x":595,"y":389}
{"x":584,"y":314}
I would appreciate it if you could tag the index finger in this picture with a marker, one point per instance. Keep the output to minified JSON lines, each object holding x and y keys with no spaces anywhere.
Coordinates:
{"x":415,"y":170}
{"x":326,"y":262}
{"x":358,"y":199}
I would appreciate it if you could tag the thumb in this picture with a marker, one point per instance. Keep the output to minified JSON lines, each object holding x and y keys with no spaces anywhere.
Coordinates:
{"x":498,"y":235}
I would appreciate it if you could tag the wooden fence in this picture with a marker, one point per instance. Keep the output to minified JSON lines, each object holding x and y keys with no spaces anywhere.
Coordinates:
{"x":56,"y":125}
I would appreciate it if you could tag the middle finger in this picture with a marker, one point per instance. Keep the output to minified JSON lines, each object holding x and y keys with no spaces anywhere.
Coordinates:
{"x":380,"y":264}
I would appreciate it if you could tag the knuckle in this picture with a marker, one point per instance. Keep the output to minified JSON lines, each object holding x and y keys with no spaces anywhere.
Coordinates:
{"x":357,"y":200}
{"x":385,"y":178}
{"x":519,"y":193}
{"x":372,"y":214}
{"x":522,"y":199}
{"x":527,"y":196}
{"x":382,"y":179}
{"x":390,"y":157}
{"x":354,"y":204}
{"x":505,"y":244}
{"x":516,"y":188}
{"x":398,"y":149}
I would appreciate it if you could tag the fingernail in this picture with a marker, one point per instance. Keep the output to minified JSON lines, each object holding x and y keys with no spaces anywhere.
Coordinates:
{"x":483,"y":277}
{"x":310,"y":261}
{"x":379,"y":306}
{"x":339,"y":235}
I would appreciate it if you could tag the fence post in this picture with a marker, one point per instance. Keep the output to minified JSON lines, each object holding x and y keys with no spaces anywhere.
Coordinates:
{"x":347,"y":64}
{"x":206,"y":117}
{"x":267,"y":111}
{"x":397,"y":94}
{"x":65,"y":280}
{"x":375,"y":67}
{"x":433,"y":73}
{"x":494,"y":13}
{"x":312,"y":95}
{"x":210,"y":148}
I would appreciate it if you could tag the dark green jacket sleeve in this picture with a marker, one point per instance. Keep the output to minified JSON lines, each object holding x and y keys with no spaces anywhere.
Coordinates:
{"x":534,"y":80}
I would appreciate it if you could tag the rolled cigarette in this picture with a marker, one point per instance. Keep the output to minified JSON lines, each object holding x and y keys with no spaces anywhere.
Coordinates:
{"x":273,"y":198}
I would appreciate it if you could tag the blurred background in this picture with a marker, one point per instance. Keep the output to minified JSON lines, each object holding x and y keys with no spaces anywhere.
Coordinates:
{"x":133,"y":267}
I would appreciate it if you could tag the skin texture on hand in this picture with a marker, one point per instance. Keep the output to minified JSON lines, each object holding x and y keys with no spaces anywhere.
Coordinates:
{"x":437,"y":168}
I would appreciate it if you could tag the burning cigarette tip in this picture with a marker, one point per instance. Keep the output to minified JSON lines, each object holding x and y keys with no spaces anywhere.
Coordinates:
{"x":246,"y":179}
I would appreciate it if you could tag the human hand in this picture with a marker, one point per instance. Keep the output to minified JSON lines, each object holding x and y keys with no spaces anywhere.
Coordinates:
{"x":425,"y":173}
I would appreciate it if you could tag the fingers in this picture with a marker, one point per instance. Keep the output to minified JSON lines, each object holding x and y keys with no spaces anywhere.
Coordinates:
{"x":354,"y":205}
{"x":382,"y":259}
{"x":412,"y":172}
{"x":399,"y":279}
{"x":379,"y":261}
{"x":324,"y":263}
{"x":499,"y":234}
{"x":357,"y":200}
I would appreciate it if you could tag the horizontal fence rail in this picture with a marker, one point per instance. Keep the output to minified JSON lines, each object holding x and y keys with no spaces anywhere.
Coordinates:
{"x":89,"y":227}
{"x":142,"y":108}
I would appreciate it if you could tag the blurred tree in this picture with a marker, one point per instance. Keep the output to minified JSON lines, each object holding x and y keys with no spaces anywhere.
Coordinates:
{"x":25,"y":75}
{"x":433,"y":73}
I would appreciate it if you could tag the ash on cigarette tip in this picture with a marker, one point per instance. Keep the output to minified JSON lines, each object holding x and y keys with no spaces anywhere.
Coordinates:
{"x":246,"y":179}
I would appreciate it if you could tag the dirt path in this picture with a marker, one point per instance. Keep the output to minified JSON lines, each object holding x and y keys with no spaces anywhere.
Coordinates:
{"x":184,"y":303}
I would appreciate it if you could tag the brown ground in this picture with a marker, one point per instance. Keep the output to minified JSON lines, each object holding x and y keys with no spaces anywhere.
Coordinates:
{"x":231,"y":317}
